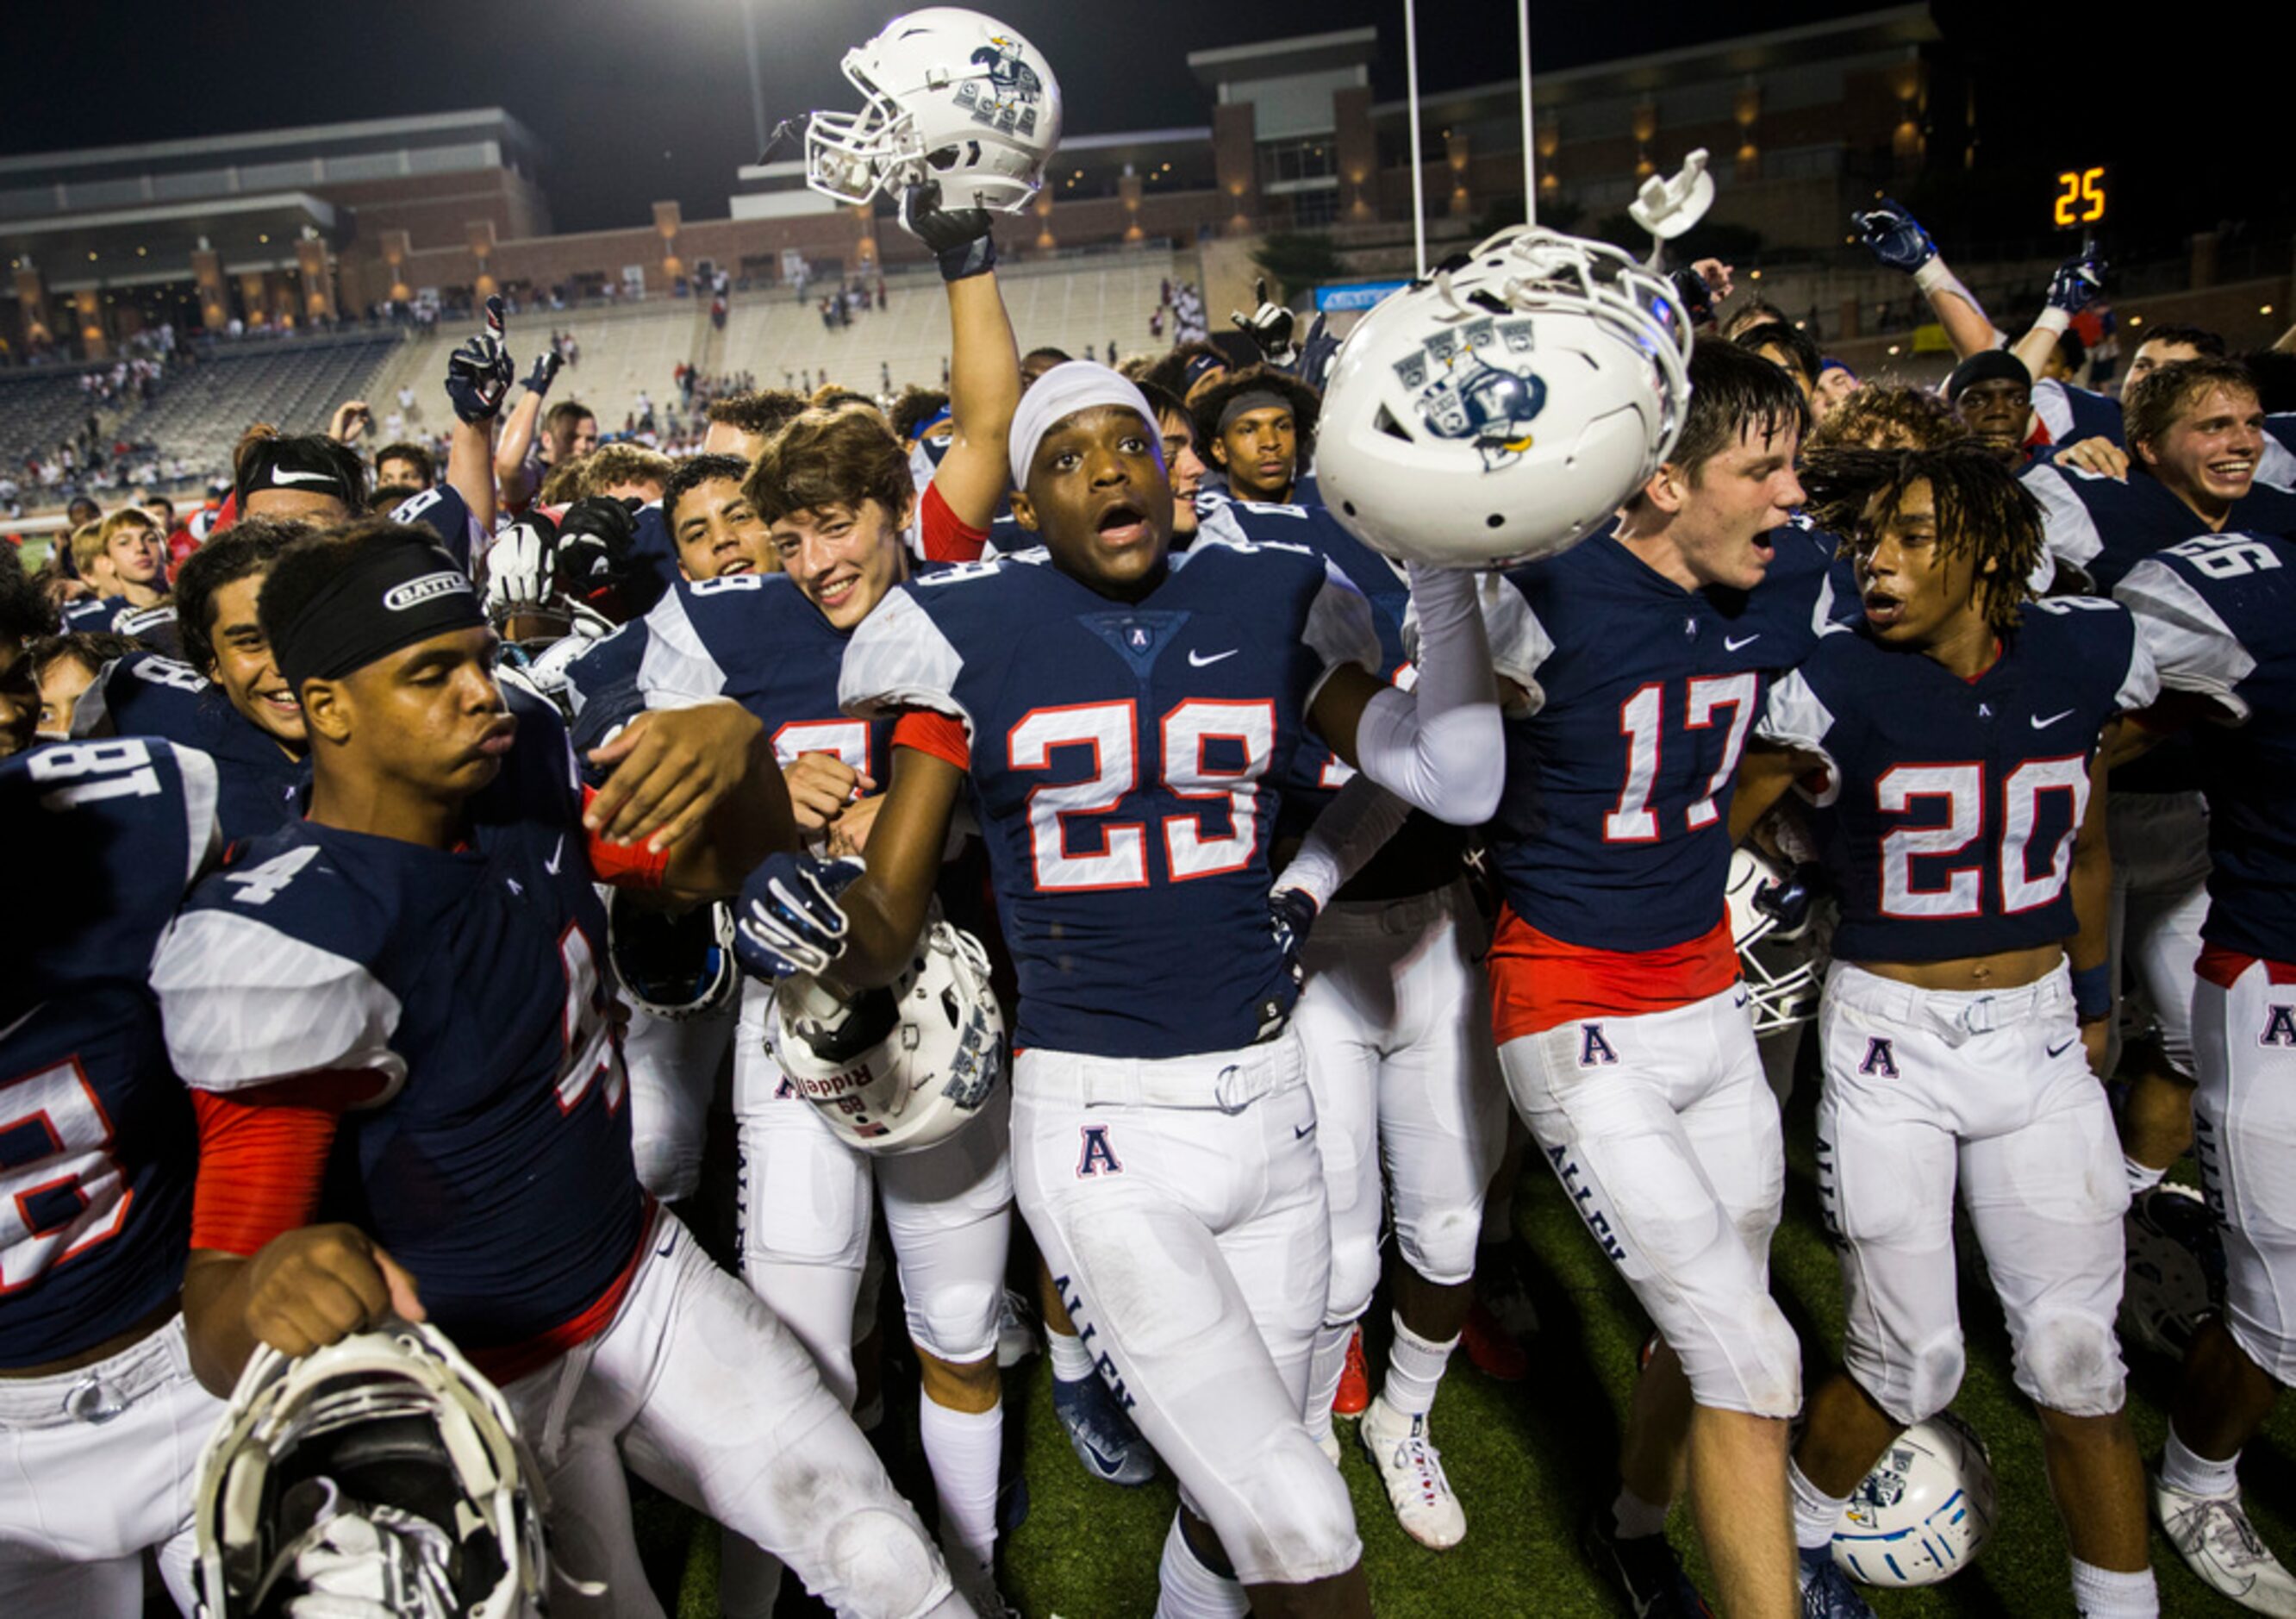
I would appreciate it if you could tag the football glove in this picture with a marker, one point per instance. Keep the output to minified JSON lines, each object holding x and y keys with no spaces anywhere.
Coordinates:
{"x":362,"y":1562}
{"x":593,"y":552}
{"x":1317,"y":353}
{"x":1790,"y":901}
{"x":1894,"y":237}
{"x":1291,"y":913}
{"x":521,"y":569}
{"x":960,"y":238}
{"x":2077,"y":284}
{"x":545,"y":372}
{"x":479,"y":373}
{"x":1697,"y":296}
{"x":789,"y":920}
{"x":1269,"y":327}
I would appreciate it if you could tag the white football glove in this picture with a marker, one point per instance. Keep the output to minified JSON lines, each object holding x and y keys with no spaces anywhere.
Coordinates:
{"x":521,"y":566}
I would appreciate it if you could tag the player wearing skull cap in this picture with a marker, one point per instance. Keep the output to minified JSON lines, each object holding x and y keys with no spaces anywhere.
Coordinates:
{"x":1121,"y":756}
{"x":1957,"y":731}
{"x":321,"y":998}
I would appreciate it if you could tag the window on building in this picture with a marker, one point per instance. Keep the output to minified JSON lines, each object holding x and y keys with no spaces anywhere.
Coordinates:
{"x":1315,"y":207}
{"x":1307,"y":160}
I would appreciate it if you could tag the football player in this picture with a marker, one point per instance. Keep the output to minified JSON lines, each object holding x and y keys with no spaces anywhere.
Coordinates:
{"x":739,"y":423}
{"x":412,"y":976}
{"x":1959,"y":1032}
{"x":1258,"y":425}
{"x":1634,"y":666}
{"x":24,"y":616}
{"x":2219,"y":611}
{"x":104,"y":1421}
{"x":1121,"y":718}
{"x":717,"y":530}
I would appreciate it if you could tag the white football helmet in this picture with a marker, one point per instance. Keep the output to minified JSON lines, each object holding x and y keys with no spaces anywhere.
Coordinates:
{"x":1506,"y":406}
{"x":1926,"y":1511}
{"x":383,"y":1467}
{"x":898,"y":1069}
{"x":947,"y":94}
{"x":1773,"y":923}
{"x":672,"y":965}
{"x":2175,"y":1268}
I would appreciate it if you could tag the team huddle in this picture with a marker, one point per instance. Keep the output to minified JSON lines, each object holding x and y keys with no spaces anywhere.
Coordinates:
{"x":1223,"y":811}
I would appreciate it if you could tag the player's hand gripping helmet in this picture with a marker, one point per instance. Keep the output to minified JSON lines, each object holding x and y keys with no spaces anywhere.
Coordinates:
{"x":1504,"y":408}
{"x":672,"y":965}
{"x":947,"y":94}
{"x":900,"y":1068}
{"x":1926,"y":1511}
{"x":1773,"y":923}
{"x":382,"y":1470}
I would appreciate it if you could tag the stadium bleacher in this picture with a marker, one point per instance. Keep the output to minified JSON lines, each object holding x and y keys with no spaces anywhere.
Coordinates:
{"x":39,"y":411}
{"x":293,"y":383}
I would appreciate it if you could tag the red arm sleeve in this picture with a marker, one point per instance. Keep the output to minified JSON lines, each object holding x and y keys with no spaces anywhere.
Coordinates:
{"x":945,"y":536}
{"x":623,"y":865}
{"x":262,"y":1155}
{"x":935,"y":734}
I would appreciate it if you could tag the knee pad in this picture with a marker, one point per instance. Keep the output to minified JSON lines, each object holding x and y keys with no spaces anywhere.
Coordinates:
{"x":1918,"y":1382}
{"x":2071,"y":1363}
{"x":1284,"y":1518}
{"x":1439,"y":1241}
{"x":956,"y":1321}
{"x":875,"y":1560}
{"x":1755,"y":1368}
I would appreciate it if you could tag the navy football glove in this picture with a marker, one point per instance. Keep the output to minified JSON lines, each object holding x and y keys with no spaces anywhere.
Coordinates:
{"x":790,"y":919}
{"x":594,"y":539}
{"x":1269,"y":327}
{"x":960,"y":238}
{"x":2076,"y":282}
{"x":1790,"y":901}
{"x":545,"y":372}
{"x":1894,"y":237}
{"x":1697,"y":296}
{"x":479,"y":373}
{"x":1291,"y":913}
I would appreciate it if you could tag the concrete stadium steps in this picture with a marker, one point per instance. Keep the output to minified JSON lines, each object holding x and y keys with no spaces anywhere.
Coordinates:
{"x":293,"y":383}
{"x":40,"y":410}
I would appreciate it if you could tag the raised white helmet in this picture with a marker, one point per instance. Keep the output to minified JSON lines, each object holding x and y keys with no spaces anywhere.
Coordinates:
{"x":674,"y":965}
{"x":1773,"y":925}
{"x":1502,"y":409}
{"x":2175,"y":1268}
{"x":1926,"y":1511}
{"x":390,"y":1436}
{"x":898,"y":1069}
{"x":950,"y":96}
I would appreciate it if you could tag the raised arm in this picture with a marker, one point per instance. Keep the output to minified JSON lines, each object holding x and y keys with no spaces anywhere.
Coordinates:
{"x":1897,"y":239}
{"x":478,"y":380}
{"x":2072,"y":289}
{"x":984,"y":370}
{"x":510,"y":475}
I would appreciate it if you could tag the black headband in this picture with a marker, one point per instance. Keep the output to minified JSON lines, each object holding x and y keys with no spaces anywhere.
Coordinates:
{"x":1199,"y":366}
{"x":387,"y":597}
{"x":1986,"y":365}
{"x":1251,"y":400}
{"x":295,"y":463}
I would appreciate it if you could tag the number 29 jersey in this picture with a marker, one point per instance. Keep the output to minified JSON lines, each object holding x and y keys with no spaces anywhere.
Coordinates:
{"x":1125,"y":760}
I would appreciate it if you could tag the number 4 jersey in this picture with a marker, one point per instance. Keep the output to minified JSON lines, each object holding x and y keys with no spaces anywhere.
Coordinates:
{"x":1124,"y":759}
{"x":1951,"y":807}
{"x":97,"y":1148}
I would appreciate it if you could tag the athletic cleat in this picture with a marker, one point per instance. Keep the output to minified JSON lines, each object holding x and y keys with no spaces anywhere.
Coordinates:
{"x":1644,"y":1571}
{"x":1103,"y":1436}
{"x":1826,"y":1592}
{"x":1016,"y":1332}
{"x":2213,"y":1535}
{"x":1355,"y":1382}
{"x":1493,"y":1354}
{"x":1413,"y":1471}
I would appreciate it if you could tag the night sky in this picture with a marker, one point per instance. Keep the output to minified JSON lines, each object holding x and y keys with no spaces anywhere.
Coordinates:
{"x":640,"y":100}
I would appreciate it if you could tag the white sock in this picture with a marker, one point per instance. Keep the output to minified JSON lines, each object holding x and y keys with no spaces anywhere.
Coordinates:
{"x":963,"y":1448}
{"x":1073,"y":1362}
{"x":1327,"y":1363}
{"x":2141,"y":1177}
{"x":2183,"y":1470}
{"x":1636,"y":1518}
{"x":1815,"y":1512}
{"x":1414,"y":1371}
{"x":1187,"y":1589}
{"x":2100,"y":1593}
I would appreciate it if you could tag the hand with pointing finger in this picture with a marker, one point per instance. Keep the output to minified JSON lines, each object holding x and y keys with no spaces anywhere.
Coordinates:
{"x":479,"y":373}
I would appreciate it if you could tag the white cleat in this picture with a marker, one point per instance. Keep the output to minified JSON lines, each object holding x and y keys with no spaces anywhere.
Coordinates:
{"x":1413,"y":1471}
{"x":2213,"y":1535}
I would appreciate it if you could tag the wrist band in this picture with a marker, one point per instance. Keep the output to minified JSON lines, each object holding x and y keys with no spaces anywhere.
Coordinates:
{"x":2093,"y":992}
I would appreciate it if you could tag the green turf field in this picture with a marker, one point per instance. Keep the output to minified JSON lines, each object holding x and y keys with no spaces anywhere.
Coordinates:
{"x":1526,"y":1459}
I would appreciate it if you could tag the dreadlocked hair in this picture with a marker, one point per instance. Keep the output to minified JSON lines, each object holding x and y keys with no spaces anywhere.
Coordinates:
{"x":1982,"y":512}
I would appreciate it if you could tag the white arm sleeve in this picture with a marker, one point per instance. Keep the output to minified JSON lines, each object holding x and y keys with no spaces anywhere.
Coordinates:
{"x":1354,"y":827}
{"x":1440,"y":746}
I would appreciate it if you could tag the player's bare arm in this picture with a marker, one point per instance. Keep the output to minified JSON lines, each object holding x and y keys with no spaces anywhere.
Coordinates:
{"x":2090,"y":951}
{"x":703,"y":768}
{"x":984,"y":373}
{"x":300,"y":1291}
{"x":885,"y":909}
{"x":1764,"y":773}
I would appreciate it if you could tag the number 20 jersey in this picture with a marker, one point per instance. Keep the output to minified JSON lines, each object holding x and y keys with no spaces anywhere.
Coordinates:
{"x":1125,"y":760}
{"x":97,"y":1146}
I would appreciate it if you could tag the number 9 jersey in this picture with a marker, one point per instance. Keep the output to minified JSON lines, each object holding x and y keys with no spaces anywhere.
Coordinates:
{"x":1125,"y":760}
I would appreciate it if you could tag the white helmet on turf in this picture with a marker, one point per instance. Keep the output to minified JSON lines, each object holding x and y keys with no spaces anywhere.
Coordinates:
{"x":1926,"y":1511}
{"x":901,"y":1068}
{"x":1773,"y":923}
{"x":1504,"y":408}
{"x":382,"y":1467}
{"x":947,"y":94}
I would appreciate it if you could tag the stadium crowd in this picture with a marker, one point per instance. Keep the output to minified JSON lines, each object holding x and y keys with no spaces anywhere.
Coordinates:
{"x":427,"y":829}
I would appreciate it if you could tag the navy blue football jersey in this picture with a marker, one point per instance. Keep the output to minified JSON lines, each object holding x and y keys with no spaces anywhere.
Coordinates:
{"x":442,"y":510}
{"x":2071,"y":414}
{"x":155,"y":627}
{"x":145,"y":694}
{"x":653,"y":560}
{"x":97,"y":1144}
{"x":498,"y":1169}
{"x":2277,"y":464}
{"x":1951,"y":807}
{"x":2105,"y":526}
{"x":1613,"y":832}
{"x":2218,"y":614}
{"x":1126,"y":760}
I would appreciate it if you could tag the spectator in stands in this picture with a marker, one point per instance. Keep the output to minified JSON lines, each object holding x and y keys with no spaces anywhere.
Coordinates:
{"x":25,"y":616}
{"x":1259,"y":425}
{"x":716,"y":531}
{"x":66,"y":665}
{"x":405,"y":466}
{"x":304,"y":475}
{"x":739,"y":423}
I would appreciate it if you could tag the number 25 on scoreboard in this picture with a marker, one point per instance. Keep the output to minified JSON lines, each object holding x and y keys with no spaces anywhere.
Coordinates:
{"x":2080,"y":198}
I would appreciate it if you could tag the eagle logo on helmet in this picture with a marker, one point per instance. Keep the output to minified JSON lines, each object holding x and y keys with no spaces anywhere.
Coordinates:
{"x":1883,"y":1488}
{"x":1467,"y":385}
{"x":1009,"y":103}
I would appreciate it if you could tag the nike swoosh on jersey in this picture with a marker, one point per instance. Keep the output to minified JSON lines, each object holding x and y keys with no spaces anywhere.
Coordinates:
{"x":2057,"y":1051}
{"x":1196,"y":662}
{"x":1733,"y":643}
{"x":2041,"y":724}
{"x":281,"y":476}
{"x":1301,"y":1132}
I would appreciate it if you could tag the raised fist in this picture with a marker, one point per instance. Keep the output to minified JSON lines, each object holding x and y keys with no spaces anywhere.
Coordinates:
{"x":960,"y":238}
